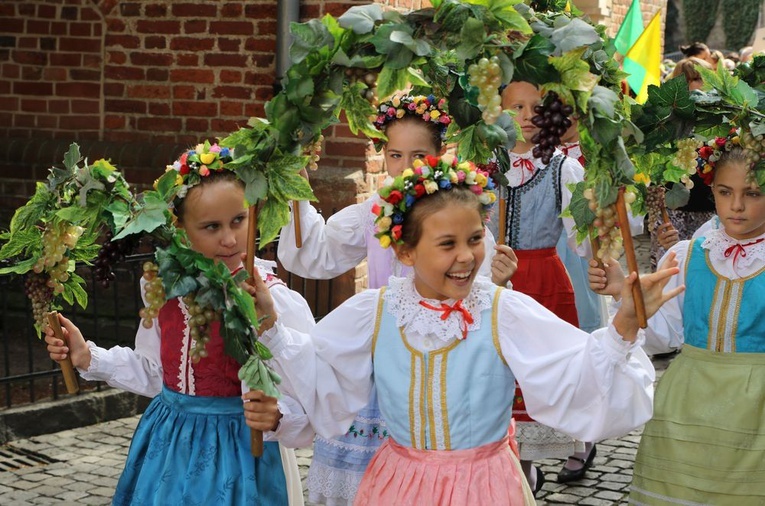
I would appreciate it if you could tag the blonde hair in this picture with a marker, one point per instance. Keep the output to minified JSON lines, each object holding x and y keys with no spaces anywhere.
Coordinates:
{"x":687,"y":67}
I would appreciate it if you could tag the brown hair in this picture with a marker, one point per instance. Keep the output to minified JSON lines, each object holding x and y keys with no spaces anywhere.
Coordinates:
{"x":436,"y":130}
{"x":694,"y":49}
{"x":687,"y":67}
{"x":216,"y":176}
{"x":431,"y":204}
{"x":735,"y":155}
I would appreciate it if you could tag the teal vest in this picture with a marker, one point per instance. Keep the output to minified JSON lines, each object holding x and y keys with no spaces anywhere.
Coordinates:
{"x":721,"y":314}
{"x":453,"y":398}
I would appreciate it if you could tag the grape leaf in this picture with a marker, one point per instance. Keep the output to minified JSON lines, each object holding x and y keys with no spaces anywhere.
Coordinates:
{"x":579,"y":208}
{"x":573,"y":35}
{"x":256,"y":185}
{"x":151,"y":215}
{"x":677,"y":196}
{"x":361,"y":18}
{"x":531,"y":61}
{"x":27,"y":239}
{"x":308,"y":36}
{"x":34,"y":210}
{"x":271,"y":218}
{"x":21,"y":267}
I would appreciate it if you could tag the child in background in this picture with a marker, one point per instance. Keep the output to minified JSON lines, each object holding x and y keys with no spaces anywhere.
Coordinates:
{"x":192,"y":443}
{"x":704,"y":443}
{"x":536,"y":195}
{"x":415,"y":127}
{"x":443,"y":348}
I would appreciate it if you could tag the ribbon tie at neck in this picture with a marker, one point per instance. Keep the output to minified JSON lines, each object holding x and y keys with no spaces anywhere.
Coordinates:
{"x":739,"y":250}
{"x":446,"y":310}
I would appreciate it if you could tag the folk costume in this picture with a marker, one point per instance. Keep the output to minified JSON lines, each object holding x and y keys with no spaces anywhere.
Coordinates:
{"x":191,"y":445}
{"x":444,"y":372}
{"x":704,"y":444}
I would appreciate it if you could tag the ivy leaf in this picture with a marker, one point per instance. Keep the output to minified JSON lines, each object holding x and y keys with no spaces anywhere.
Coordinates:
{"x":472,"y":37}
{"x":677,"y":196}
{"x":151,"y":215}
{"x":72,"y":157}
{"x":361,"y":18}
{"x":255,"y":185}
{"x":531,"y":61}
{"x":306,"y":37}
{"x":574,"y":71}
{"x":90,"y":183}
{"x":271,"y":218}
{"x":390,"y":80}
{"x":579,"y":208}
{"x":573,"y":35}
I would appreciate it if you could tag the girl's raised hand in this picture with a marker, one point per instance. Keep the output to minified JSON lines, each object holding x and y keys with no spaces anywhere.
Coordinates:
{"x":77,"y":347}
{"x":667,"y":235}
{"x":503,"y":265}
{"x":261,"y":411}
{"x":261,"y":295}
{"x":606,"y":280}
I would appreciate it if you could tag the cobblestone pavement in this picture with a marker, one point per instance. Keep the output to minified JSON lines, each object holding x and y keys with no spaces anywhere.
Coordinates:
{"x":82,"y":466}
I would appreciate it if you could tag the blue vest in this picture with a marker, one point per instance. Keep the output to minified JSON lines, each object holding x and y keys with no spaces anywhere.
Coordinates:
{"x":721,"y":314}
{"x":454,"y":398}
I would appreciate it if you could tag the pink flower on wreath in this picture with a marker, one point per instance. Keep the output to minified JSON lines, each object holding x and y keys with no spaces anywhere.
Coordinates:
{"x":476,"y":189}
{"x":204,"y":171}
{"x":460,"y":176}
{"x":215,"y":148}
{"x":720,"y":141}
{"x":183,"y":158}
{"x":444,"y":119}
{"x":396,"y":232}
{"x":391,"y":112}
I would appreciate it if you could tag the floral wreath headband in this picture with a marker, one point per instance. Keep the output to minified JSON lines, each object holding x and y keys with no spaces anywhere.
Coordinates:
{"x":426,"y":177}
{"x":710,"y":152}
{"x":429,"y":109}
{"x":194,"y":165}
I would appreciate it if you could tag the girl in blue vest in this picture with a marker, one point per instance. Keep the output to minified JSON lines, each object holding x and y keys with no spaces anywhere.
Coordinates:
{"x":705,"y":442}
{"x":443,"y":347}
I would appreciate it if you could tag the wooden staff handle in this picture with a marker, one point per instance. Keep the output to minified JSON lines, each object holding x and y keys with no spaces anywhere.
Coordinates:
{"x":296,"y":217}
{"x":629,"y":251}
{"x":595,"y":245}
{"x":664,"y":215}
{"x":502,"y":229}
{"x":256,"y":436}
{"x":67,"y":368}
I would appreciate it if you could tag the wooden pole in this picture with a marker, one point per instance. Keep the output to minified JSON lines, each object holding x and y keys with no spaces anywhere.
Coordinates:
{"x":256,"y":436}
{"x":296,"y":217}
{"x":67,"y":368}
{"x":629,"y":250}
{"x":502,"y":229}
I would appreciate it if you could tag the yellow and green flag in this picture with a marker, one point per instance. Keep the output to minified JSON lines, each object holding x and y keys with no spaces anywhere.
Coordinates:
{"x":643,"y":61}
{"x":631,"y":28}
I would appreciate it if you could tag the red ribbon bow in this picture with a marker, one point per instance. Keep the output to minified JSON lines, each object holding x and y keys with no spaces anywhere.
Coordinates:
{"x":446,"y":309}
{"x":738,"y":250}
{"x":524,"y":163}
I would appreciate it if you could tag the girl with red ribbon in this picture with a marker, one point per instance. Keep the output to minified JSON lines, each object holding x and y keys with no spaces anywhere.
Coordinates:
{"x":710,"y":400}
{"x":443,"y":348}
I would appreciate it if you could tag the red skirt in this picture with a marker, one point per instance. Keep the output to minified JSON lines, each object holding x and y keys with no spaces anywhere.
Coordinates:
{"x":542,"y":276}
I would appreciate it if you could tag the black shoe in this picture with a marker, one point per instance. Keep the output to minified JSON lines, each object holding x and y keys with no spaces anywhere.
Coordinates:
{"x":540,"y":481}
{"x":567,"y":475}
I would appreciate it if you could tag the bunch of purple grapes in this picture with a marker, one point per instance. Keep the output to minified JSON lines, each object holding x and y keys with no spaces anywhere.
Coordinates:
{"x":552,"y":119}
{"x":111,"y":253}
{"x":40,"y":294}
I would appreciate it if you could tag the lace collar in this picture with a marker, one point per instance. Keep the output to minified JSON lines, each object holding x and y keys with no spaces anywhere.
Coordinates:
{"x":723,"y":248}
{"x":404,"y":304}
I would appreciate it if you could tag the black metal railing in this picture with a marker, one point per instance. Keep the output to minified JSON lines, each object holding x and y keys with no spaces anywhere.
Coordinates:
{"x":27,"y":375}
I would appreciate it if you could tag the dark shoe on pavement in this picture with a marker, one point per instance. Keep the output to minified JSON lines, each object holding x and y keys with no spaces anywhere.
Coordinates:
{"x":568,"y":475}
{"x":540,"y":480}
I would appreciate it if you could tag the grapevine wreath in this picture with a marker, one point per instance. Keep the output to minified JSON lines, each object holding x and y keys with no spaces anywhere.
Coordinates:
{"x":458,"y":49}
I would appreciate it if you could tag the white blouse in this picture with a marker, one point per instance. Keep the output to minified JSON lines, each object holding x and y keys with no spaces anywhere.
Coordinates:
{"x":591,"y":386}
{"x":665,"y":328}
{"x":139,"y":369}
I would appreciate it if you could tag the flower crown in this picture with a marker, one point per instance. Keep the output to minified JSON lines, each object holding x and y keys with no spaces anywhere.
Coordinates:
{"x":195,"y":164}
{"x":426,"y":176}
{"x":428,"y":108}
{"x":710,"y":152}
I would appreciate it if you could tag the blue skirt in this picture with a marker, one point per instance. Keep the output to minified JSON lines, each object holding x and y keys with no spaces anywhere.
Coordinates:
{"x":191,"y":450}
{"x":589,"y":305}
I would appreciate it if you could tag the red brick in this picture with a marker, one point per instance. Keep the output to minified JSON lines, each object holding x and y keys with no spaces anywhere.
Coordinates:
{"x":92,"y":61}
{"x":80,"y":29}
{"x":231,"y":10}
{"x":31,"y":73}
{"x":126,"y":106}
{"x":10,"y":71}
{"x":155,"y":10}
{"x":85,"y":75}
{"x":194,"y":10}
{"x":86,"y":106}
{"x":191,"y":44}
{"x":48,"y":43}
{"x":225,"y":60}
{"x":87,"y":14}
{"x":230,"y":77}
{"x":58,"y":106}
{"x":229,"y":45}
{"x":204,"y":109}
{"x":122,"y":73}
{"x":116,"y":57}
{"x":65,"y":59}
{"x":114,"y":90}
{"x":159,"y":108}
{"x":192,"y":75}
{"x":142,"y":91}
{"x":186,"y":60}
{"x":27,"y":43}
{"x":30,"y":57}
{"x":115,"y":25}
{"x":337,"y":148}
{"x":159,"y":42}
{"x":183,"y":92}
{"x":260,"y":44}
{"x":23,"y":120}
{"x":7,"y":11}
{"x":232,"y":27}
{"x":231,"y":109}
{"x":13,"y":28}
{"x":45,"y":11}
{"x":195,"y":27}
{"x":48,"y":122}
{"x":114,"y":122}
{"x":264,"y":93}
{"x":151,"y":59}
{"x":197,"y":125}
{"x":130,"y":9}
{"x":70,"y":122}
{"x":263,"y":78}
{"x":225,"y":125}
{"x":159,"y":124}
{"x":259,"y":11}
{"x":157,"y":74}
{"x":31,"y":88}
{"x":265,"y":27}
{"x":232,"y":92}
{"x":81,"y":45}
{"x":263,"y":60}
{"x":28,"y":105}
{"x":59,"y":28}
{"x":37,"y":27}
{"x":5,"y":87}
{"x":153,"y":27}
{"x":78,"y":89}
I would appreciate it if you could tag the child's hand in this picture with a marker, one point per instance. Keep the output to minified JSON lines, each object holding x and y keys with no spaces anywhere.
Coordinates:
{"x":667,"y":235}
{"x":652,"y":285}
{"x":261,"y":411}
{"x":264,"y":303}
{"x":503,"y":265}
{"x":606,"y":280}
{"x":77,"y":347}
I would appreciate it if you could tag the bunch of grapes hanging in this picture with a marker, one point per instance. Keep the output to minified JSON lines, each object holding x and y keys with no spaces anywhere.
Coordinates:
{"x":552,"y":117}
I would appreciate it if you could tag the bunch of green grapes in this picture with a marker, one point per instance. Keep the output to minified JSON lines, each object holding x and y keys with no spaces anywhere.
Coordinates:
{"x":606,"y":223}
{"x":368,"y":77}
{"x":486,"y":75}
{"x":754,"y":145}
{"x":314,"y":151}
{"x":40,"y":295}
{"x":201,"y":318}
{"x":154,"y":293}
{"x":654,"y":204}
{"x":58,"y":238}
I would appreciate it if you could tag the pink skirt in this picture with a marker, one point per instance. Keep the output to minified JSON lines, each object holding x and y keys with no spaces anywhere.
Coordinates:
{"x":487,"y":475}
